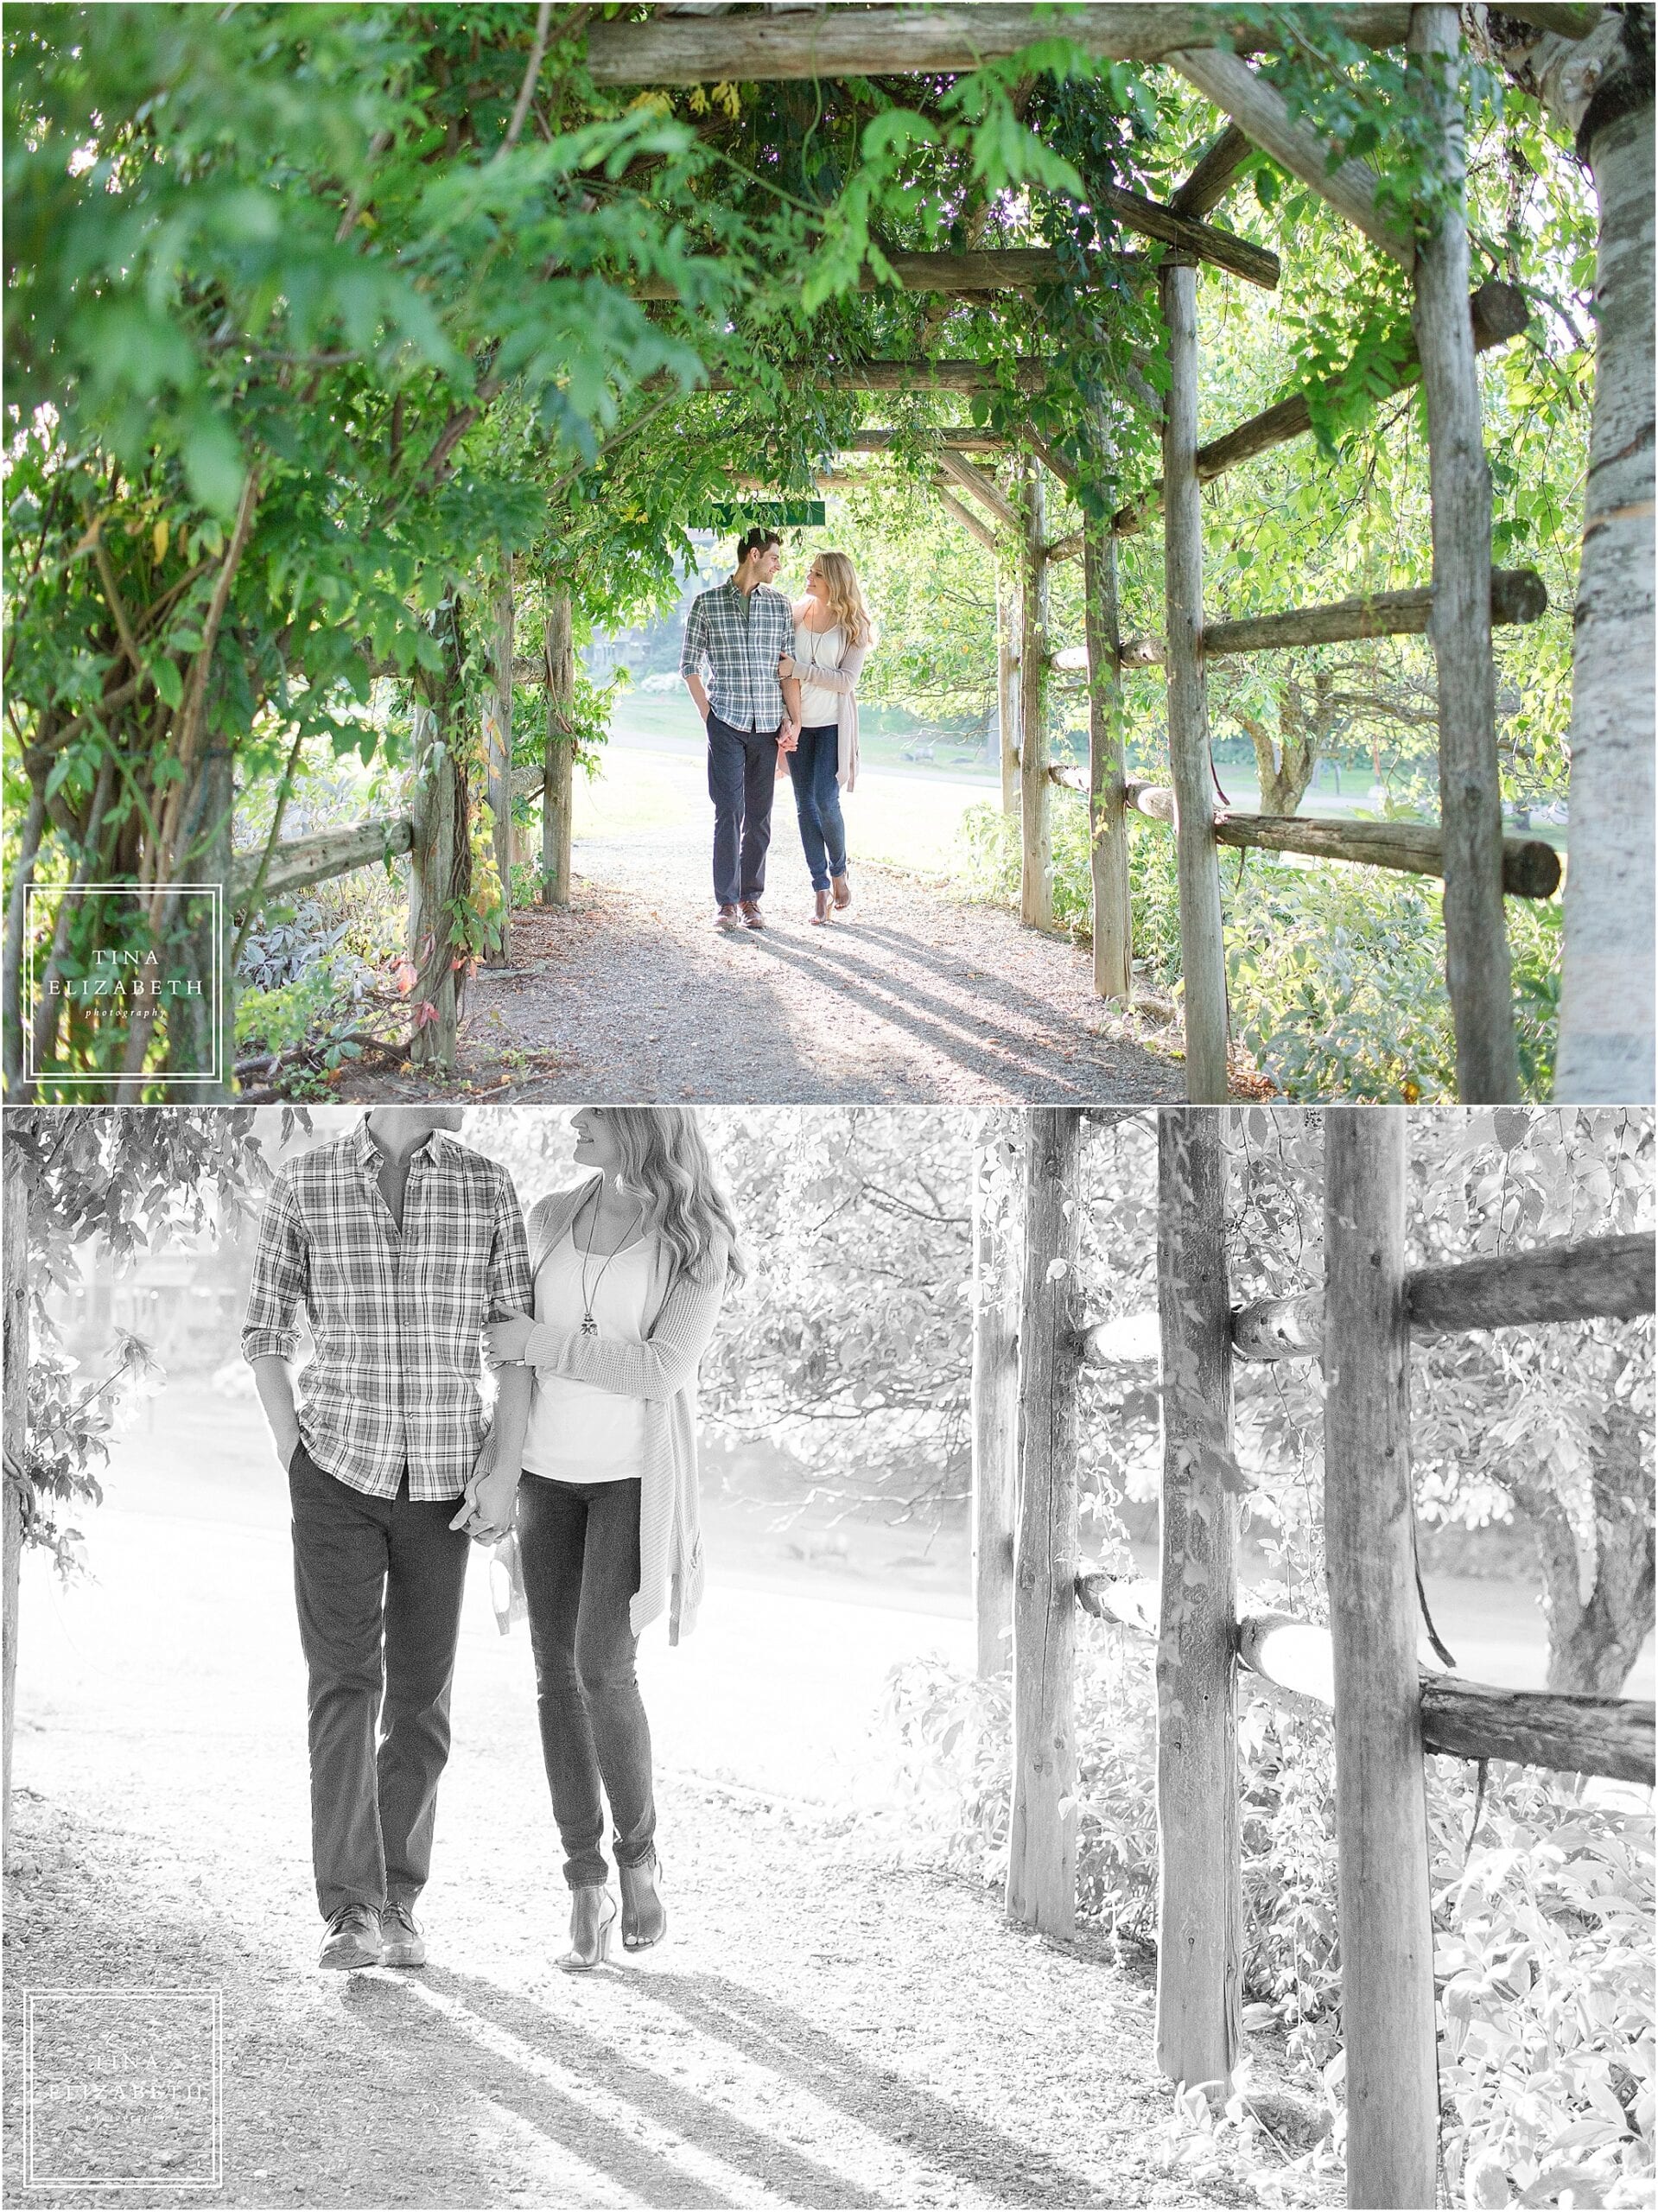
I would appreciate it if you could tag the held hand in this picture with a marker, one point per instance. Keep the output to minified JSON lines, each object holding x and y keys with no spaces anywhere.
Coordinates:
{"x":507,"y":1340}
{"x":489,"y":1502}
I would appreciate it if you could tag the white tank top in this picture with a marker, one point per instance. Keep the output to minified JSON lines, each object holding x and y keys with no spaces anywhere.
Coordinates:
{"x":817,"y":649}
{"x":578,"y":1433}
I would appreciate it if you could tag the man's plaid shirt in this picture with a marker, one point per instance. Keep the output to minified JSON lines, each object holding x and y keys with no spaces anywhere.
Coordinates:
{"x":734,"y":640}
{"x":397,"y":1316}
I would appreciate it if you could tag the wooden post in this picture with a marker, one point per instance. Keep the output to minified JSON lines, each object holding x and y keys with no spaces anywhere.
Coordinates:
{"x":497,"y":748}
{"x":1008,"y":627}
{"x":1107,"y":820}
{"x":557,"y":790}
{"x":14,"y":1228}
{"x":997,"y":1186}
{"x":1199,"y":1869}
{"x":1042,"y":1836}
{"x":1387,"y":1937}
{"x":1202,"y":955}
{"x":1036,"y":792}
{"x":1459,"y":484}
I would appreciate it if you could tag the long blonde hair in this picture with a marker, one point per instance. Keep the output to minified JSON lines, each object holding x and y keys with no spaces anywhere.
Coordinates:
{"x":846,"y":599}
{"x":666,"y":1163}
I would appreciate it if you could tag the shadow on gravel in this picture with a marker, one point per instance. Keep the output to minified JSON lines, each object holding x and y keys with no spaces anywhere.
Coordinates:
{"x":603,"y":2140}
{"x":874,"y":2096}
{"x":924,"y":2127}
{"x":1027,"y":1065}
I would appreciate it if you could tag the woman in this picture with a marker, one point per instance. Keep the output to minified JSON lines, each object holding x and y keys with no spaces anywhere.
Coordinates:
{"x":630,"y":1269}
{"x":833,"y":635}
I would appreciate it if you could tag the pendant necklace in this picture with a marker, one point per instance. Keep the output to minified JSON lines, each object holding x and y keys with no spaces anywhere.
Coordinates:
{"x":589,"y":1326}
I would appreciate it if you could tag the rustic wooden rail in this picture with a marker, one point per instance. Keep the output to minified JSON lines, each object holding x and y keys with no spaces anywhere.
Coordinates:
{"x":302,"y":862}
{"x":1579,"y":1279}
{"x":1517,"y":596}
{"x":1532,"y":868}
{"x":1614,"y":1736}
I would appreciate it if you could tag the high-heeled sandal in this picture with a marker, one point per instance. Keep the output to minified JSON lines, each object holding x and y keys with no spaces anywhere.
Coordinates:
{"x":820,"y":908}
{"x":843,"y":893}
{"x":644,"y":1917}
{"x":592,"y":1921}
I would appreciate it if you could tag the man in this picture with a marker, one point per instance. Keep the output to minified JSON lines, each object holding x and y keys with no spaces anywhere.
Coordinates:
{"x":401,"y":1244}
{"x":742,"y":632}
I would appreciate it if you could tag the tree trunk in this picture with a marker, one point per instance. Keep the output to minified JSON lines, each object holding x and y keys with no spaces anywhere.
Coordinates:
{"x":498,"y":750}
{"x":1036,"y":791}
{"x":14,"y":1229}
{"x":558,"y":785}
{"x":1595,"y":1638}
{"x":1605,"y":1051}
{"x":997,"y":1233}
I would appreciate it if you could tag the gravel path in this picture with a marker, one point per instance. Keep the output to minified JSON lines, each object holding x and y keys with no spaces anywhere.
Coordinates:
{"x":822,"y":2028}
{"x":915,"y":996}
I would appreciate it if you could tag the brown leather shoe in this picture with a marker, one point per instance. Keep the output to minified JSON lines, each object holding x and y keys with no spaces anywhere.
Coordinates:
{"x":820,"y":908}
{"x":843,"y":893}
{"x":728,"y":917}
{"x":752,"y":915}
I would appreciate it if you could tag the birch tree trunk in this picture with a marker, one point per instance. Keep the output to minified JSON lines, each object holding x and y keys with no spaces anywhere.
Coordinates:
{"x":1601,"y":88}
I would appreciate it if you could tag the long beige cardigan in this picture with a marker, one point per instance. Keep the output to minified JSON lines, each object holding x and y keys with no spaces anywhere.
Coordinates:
{"x":681,"y":1311}
{"x":842,"y":680}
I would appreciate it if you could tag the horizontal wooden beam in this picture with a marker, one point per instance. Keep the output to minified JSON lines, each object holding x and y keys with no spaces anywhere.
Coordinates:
{"x":767,"y":44}
{"x":1594,"y":1278}
{"x":1293,"y":1659}
{"x":1215,"y":174}
{"x":1004,"y":269}
{"x":1262,"y":110}
{"x":305,"y":861}
{"x":1573,"y":1280}
{"x":1498,"y":312}
{"x":902,"y":376}
{"x":1517,"y":596}
{"x":957,"y":440}
{"x":1531,"y":866}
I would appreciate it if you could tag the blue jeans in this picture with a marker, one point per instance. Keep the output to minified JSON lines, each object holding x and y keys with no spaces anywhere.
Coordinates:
{"x":578,"y":1547}
{"x":742,"y":776}
{"x":818,"y":802}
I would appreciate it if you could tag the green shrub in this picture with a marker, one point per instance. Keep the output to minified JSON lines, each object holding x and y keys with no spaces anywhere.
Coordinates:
{"x":1543,"y":1920}
{"x":1334,"y":974}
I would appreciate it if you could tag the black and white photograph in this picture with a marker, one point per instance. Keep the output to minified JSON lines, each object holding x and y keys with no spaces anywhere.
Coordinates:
{"x":784,"y":1655}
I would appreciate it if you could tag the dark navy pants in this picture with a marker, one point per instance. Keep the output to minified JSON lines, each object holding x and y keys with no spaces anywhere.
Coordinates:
{"x":742,"y":777}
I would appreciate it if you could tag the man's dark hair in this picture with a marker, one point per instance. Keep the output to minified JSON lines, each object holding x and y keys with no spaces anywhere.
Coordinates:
{"x":755,"y":541}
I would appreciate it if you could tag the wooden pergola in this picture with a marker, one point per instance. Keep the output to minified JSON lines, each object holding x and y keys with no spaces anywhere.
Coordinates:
{"x":1211,"y":47}
{"x":1388,"y":1703}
